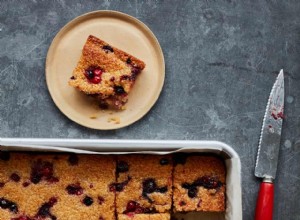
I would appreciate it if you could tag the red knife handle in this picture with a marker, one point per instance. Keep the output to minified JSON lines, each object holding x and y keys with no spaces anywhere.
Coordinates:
{"x":264,"y":205}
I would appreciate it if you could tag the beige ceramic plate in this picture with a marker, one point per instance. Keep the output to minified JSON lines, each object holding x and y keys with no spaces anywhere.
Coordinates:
{"x":121,"y":31}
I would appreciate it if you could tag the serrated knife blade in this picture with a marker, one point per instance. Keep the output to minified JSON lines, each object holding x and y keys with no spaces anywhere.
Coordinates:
{"x":269,"y":142}
{"x":268,"y":149}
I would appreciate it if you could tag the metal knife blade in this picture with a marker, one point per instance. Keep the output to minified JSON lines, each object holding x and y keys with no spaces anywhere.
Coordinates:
{"x":269,"y":143}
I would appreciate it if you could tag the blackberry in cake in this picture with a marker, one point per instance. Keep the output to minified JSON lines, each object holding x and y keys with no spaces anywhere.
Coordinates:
{"x":199,"y":183}
{"x":106,"y":73}
{"x":56,"y":186}
{"x":144,"y":185}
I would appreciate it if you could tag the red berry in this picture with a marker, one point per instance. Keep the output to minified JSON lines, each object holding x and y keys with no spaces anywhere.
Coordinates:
{"x":98,"y":72}
{"x":96,"y":80}
{"x":131,"y":206}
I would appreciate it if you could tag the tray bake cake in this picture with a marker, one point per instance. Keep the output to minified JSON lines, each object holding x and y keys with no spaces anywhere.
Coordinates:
{"x":106,"y":73}
{"x":96,"y":187}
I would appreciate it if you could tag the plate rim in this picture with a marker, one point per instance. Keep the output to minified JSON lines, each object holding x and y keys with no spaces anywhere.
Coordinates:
{"x":110,"y":13}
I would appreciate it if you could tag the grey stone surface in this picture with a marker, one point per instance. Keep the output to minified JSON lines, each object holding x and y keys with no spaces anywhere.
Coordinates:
{"x":222,"y":58}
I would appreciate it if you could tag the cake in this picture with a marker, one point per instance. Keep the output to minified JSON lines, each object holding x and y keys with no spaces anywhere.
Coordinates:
{"x":144,"y":185}
{"x":199,"y":183}
{"x":61,"y":186}
{"x":134,"y":187}
{"x":106,"y":73}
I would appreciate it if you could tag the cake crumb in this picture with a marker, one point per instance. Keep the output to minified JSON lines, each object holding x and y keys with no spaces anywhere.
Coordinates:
{"x":93,"y":116}
{"x":115,"y":120}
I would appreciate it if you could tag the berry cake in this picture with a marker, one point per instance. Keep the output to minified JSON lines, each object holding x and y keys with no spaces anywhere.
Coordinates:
{"x":36,"y":187}
{"x":144,"y":186}
{"x":199,"y":183}
{"x":106,"y":73}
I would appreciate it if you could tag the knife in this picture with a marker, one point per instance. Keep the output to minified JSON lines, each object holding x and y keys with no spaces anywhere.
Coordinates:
{"x":268,"y":150}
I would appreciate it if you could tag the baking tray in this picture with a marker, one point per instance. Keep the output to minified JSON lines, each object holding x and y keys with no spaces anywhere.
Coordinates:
{"x":99,"y":146}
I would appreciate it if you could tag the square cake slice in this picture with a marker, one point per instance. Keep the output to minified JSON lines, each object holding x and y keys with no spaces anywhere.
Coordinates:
{"x":56,"y":186}
{"x":144,"y":184}
{"x":106,"y":73}
{"x":199,"y":183}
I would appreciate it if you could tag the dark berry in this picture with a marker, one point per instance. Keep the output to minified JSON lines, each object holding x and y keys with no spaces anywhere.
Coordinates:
{"x":101,"y":218}
{"x":15,"y":177}
{"x":74,"y":189}
{"x":7,"y":204}
{"x":164,"y":161}
{"x":118,"y":187}
{"x":88,"y":201}
{"x":162,"y":189}
{"x":13,"y":208}
{"x":89,"y":73}
{"x":25,"y":184}
{"x":122,"y":167}
{"x":2,"y":184}
{"x":72,"y":77}
{"x":44,"y":210}
{"x":119,"y":90}
{"x":108,"y":48}
{"x":73,"y":160}
{"x":180,"y":158}
{"x":149,"y":185}
{"x":192,"y":192}
{"x":128,"y":60}
{"x":186,"y":186}
{"x":100,"y":200}
{"x":4,"y":155}
{"x":112,"y":79}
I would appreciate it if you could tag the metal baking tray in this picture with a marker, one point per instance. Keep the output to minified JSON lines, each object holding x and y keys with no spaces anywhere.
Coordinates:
{"x":100,"y":146}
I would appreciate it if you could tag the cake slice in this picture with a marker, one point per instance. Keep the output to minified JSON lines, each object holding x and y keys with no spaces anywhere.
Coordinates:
{"x":106,"y":73}
{"x":56,"y":186}
{"x":199,"y":183}
{"x":144,"y":185}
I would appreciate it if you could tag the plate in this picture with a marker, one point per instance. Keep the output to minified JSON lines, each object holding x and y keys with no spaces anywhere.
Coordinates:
{"x":122,"y":31}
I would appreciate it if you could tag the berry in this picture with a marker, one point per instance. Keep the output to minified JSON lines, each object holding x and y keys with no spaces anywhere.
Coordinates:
{"x":100,"y":200}
{"x":73,"y":160}
{"x":7,"y":204}
{"x":164,"y":161}
{"x":93,"y":74}
{"x":162,"y":189}
{"x":4,"y":155}
{"x":15,"y":177}
{"x":25,"y":184}
{"x":128,"y":60}
{"x":131,"y":206}
{"x":119,"y":90}
{"x":44,"y":210}
{"x":107,"y":48}
{"x":42,"y":170}
{"x":192,"y":192}
{"x":149,"y":185}
{"x":122,"y":167}
{"x":74,"y":189}
{"x":88,"y":201}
